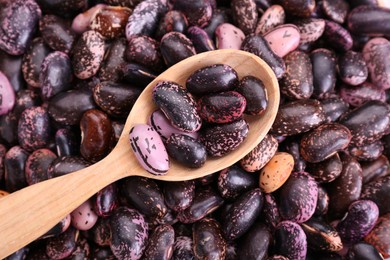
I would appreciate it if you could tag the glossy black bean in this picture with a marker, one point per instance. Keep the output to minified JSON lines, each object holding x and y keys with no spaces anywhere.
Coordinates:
{"x":321,"y":236}
{"x":37,"y":164}
{"x":137,"y":74}
{"x":57,"y":33}
{"x":67,"y":142}
{"x":242,"y":214}
{"x":298,"y":116}
{"x":178,"y":195}
{"x":368,"y":122}
{"x":257,"y":45}
{"x":200,"y":39}
{"x":14,"y":165}
{"x":116,"y":99}
{"x":322,"y":202}
{"x":186,"y":150}
{"x":129,"y":233}
{"x":333,"y":108}
{"x":114,"y":59}
{"x":106,"y":200}
{"x":363,"y":251}
{"x":206,"y":200}
{"x":346,"y":188}
{"x":145,"y":196}
{"x":173,"y":21}
{"x":208,"y":240}
{"x":11,"y":67}
{"x":160,"y":243}
{"x":377,"y":191}
{"x":66,"y":164}
{"x":327,"y":170}
{"x":255,"y":243}
{"x":324,"y":71}
{"x":68,"y":107}
{"x":62,"y":246}
{"x":183,"y":248}
{"x":376,"y":169}
{"x":174,"y":47}
{"x":233,"y":181}
{"x":255,"y":94}
{"x":367,"y":152}
{"x":211,"y":79}
{"x":369,"y":20}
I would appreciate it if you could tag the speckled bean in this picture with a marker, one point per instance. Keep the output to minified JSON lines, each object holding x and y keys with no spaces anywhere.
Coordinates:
{"x":228,"y":36}
{"x":14,"y":165}
{"x":327,"y":170}
{"x":83,"y":217}
{"x":321,"y":235}
{"x":186,"y":150}
{"x":233,"y":181}
{"x":175,"y":47}
{"x":37,"y":164}
{"x":324,"y":71}
{"x":290,"y":240}
{"x":160,"y":243}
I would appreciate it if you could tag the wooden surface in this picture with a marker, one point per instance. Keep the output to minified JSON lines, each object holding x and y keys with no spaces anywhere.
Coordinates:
{"x":27,"y":214}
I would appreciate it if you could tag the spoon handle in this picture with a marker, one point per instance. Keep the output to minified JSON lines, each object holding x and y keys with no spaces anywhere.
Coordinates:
{"x":29,"y":213}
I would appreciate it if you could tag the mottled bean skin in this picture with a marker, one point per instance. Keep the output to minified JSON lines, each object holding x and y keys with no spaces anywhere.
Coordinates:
{"x":173,"y":21}
{"x":254,"y":244}
{"x":106,"y":200}
{"x":178,"y":195}
{"x":333,"y":108}
{"x":337,"y":36}
{"x":66,"y":164}
{"x":322,"y":202}
{"x":245,"y":15}
{"x":183,"y":248}
{"x":160,"y":243}
{"x":233,"y":181}
{"x":324,"y":71}
{"x":113,"y":63}
{"x":352,"y":68}
{"x":37,"y":164}
{"x":11,"y":67}
{"x":110,"y":21}
{"x":61,"y":246}
{"x":290,"y":240}
{"x":255,"y":94}
{"x":175,"y":47}
{"x":14,"y":166}
{"x":321,"y":235}
{"x":186,"y":150}
{"x":197,"y":13}
{"x":369,"y":20}
{"x":201,"y":40}
{"x":376,"y":169}
{"x":377,"y":191}
{"x":378,"y":237}
{"x":327,"y":170}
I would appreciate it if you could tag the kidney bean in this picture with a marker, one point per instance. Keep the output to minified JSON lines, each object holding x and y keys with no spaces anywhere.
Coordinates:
{"x":55,"y":75}
{"x":283,"y":39}
{"x":100,"y":233}
{"x":272,"y":17}
{"x":352,"y":68}
{"x":378,"y":236}
{"x":186,"y":150}
{"x":37,"y":164}
{"x":337,"y":36}
{"x":245,"y":15}
{"x":233,"y":181}
{"x":367,"y":123}
{"x":34,"y":128}
{"x":14,"y":165}
{"x":7,"y":95}
{"x":57,"y":33}
{"x":270,"y":212}
{"x":175,"y":47}
{"x":324,"y":71}
{"x":82,"y":21}
{"x":129,"y":233}
{"x":223,"y":138}
{"x":110,"y":21}
{"x":26,"y":98}
{"x":200,"y":39}
{"x":106,"y":200}
{"x":172,"y":21}
{"x":242,"y":214}
{"x":367,"y":152}
{"x":160,"y":243}
{"x":333,"y":108}
{"x":322,"y":202}
{"x":361,"y":218}
{"x":369,"y":20}
{"x":61,"y":246}
{"x":327,"y":170}
{"x":136,"y":74}
{"x":206,"y":200}
{"x":83,"y":217}
{"x":208,"y":240}
{"x":310,"y":29}
{"x":197,"y":13}
{"x":182,"y":248}
{"x":116,"y":99}
{"x":114,"y":59}
{"x":10,"y":66}
{"x":346,"y":188}
{"x":336,"y":10}
{"x":377,"y":191}
{"x":290,"y":240}
{"x":66,"y":164}
{"x":255,"y":95}
{"x":145,"y":51}
{"x":376,"y":169}
{"x":67,"y":143}
{"x":321,"y":235}
{"x":255,"y":243}
{"x":59,"y":228}
{"x":362,"y":250}
{"x":19,"y":254}
{"x":68,"y":107}
{"x":228,"y":36}
{"x":145,"y":196}
{"x":358,"y":95}
{"x":259,"y":46}
{"x":22,"y":17}
{"x":178,"y":195}
{"x":9,"y":129}
{"x":64,"y":8}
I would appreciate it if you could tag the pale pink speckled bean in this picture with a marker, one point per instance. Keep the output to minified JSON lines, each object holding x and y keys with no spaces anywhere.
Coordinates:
{"x":228,"y":36}
{"x":283,"y":39}
{"x":7,"y":95}
{"x":84,"y":218}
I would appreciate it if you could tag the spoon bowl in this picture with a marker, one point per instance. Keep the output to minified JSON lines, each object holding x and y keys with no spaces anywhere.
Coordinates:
{"x":27,"y":214}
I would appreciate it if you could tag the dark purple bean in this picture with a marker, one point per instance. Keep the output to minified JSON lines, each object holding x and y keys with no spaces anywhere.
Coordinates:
{"x":242,"y":214}
{"x":116,"y":99}
{"x":66,"y":164}
{"x":310,"y":29}
{"x":321,"y":236}
{"x":206,"y":200}
{"x":322,"y":202}
{"x":106,"y":200}
{"x":11,"y":67}
{"x":208,"y":240}
{"x":137,"y":74}
{"x":270,"y":211}
{"x":186,"y":150}
{"x":114,"y":59}
{"x":233,"y":181}
{"x":376,"y":169}
{"x":9,"y":129}
{"x":110,"y":21}
{"x":336,"y":10}
{"x":183,"y":248}
{"x":32,"y":61}
{"x":346,"y":188}
{"x":367,"y":123}
{"x":37,"y":164}
{"x":178,"y":195}
{"x":57,"y":33}
{"x":19,"y":255}
{"x":337,"y":36}
{"x":100,"y":233}
{"x":255,"y":94}
{"x":62,"y":246}
{"x":56,"y":74}
{"x":377,"y":191}
{"x":173,"y":21}
{"x":324,"y":71}
{"x":290,"y":240}
{"x":219,"y":17}
{"x":301,"y":8}
{"x":352,"y":68}
{"x":160,"y":243}
{"x":145,"y":196}
{"x":26,"y":98}
{"x":34,"y":128}
{"x":59,"y":228}
{"x":68,"y":107}
{"x":367,"y":152}
{"x":257,"y":45}
{"x":297,"y":82}
{"x":14,"y":165}
{"x":245,"y":15}
{"x":129,"y":233}
{"x":292,"y":147}
{"x":200,"y":39}
{"x":298,"y":117}
{"x":333,"y":108}
{"x":145,"y":17}
{"x":175,"y":47}
{"x":145,"y":51}
{"x":224,"y":138}
{"x":324,"y":141}
{"x":198,"y":13}
{"x":358,"y":95}
{"x":18,"y":23}
{"x":369,"y":20}
{"x":3,"y":151}
{"x":298,"y":197}
{"x":327,"y":170}
{"x":359,"y":221}
{"x":63,"y":8}
{"x":363,"y":251}
{"x":254,"y":244}
{"x":67,"y":142}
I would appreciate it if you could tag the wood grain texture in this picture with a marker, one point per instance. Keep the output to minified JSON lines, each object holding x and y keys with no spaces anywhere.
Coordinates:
{"x":27,"y":214}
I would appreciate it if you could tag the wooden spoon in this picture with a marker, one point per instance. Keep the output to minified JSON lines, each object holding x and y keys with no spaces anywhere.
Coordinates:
{"x":27,"y":214}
